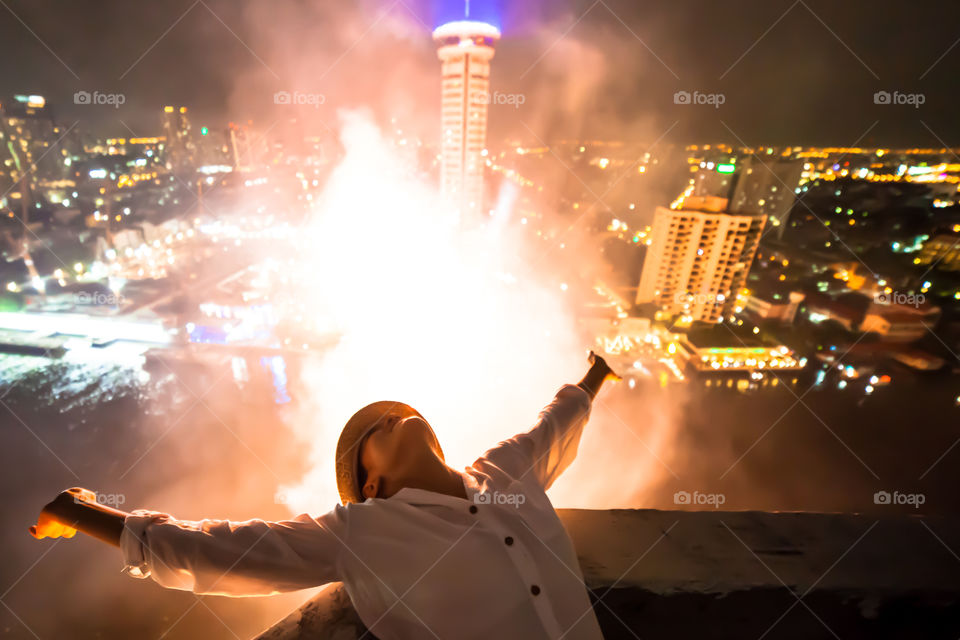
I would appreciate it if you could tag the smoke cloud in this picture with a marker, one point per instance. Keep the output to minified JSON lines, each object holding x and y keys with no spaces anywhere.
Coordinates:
{"x":468,"y":322}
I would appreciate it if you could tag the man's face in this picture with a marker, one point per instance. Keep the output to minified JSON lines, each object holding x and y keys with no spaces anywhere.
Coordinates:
{"x":393,"y":452}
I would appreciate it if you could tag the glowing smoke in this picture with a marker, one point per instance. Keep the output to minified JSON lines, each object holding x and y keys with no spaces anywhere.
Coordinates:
{"x":445,"y":317}
{"x":467,"y":324}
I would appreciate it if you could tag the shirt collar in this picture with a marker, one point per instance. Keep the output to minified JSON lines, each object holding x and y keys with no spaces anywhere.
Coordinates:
{"x":421,"y":496}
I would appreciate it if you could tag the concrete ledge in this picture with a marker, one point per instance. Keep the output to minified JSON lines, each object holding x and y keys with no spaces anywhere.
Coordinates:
{"x":746,"y":574}
{"x":327,"y":616}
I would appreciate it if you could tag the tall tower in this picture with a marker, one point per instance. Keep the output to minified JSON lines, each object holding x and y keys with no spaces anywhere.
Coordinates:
{"x":465,"y":49}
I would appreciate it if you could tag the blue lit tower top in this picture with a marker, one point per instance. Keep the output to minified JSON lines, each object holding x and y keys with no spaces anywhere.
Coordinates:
{"x":465,"y":48}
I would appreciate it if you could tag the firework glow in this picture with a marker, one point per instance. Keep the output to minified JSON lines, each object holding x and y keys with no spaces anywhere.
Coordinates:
{"x":459,"y":320}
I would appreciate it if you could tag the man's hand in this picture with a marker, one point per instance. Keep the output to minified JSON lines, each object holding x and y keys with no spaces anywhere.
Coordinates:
{"x":50,"y":524}
{"x":75,"y":510}
{"x":599,"y":373}
{"x":601,"y":364}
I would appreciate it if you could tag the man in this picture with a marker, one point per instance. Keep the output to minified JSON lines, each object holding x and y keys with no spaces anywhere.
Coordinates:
{"x":423,"y":550}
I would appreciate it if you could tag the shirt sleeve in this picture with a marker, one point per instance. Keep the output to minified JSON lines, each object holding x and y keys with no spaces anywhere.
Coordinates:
{"x":219,"y":557}
{"x":547,"y":449}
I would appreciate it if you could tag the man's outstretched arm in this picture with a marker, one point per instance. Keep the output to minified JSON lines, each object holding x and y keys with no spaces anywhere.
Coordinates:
{"x":217,"y":557}
{"x":546,"y":450}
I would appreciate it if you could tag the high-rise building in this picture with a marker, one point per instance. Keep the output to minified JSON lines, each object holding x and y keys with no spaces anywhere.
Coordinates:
{"x":698,"y":259}
{"x":31,"y":158}
{"x":32,"y":146}
{"x":713,"y":179}
{"x":465,"y":49}
{"x":767,"y":187}
{"x":180,"y":148}
{"x":941,"y":251}
{"x":249,"y":150}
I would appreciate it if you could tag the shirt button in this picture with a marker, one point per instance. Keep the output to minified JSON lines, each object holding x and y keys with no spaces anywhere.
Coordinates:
{"x":508,"y":540}
{"x":473,"y":508}
{"x":535,"y":590}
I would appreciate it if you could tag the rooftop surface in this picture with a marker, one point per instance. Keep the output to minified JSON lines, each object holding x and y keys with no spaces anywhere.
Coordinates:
{"x":721,"y":574}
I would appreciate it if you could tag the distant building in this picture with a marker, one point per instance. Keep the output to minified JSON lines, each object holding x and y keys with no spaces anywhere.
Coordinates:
{"x":248,"y":151}
{"x":943,"y":251}
{"x":465,"y":50}
{"x":714,"y":179}
{"x":773,"y":305}
{"x":852,"y":273}
{"x":214,"y":149}
{"x":180,"y":148}
{"x":698,"y":259}
{"x":768,"y":188}
{"x":919,"y":360}
{"x":148,"y":147}
{"x":127,"y":239}
{"x":162,"y":232}
{"x":900,"y":322}
{"x":28,"y":134}
{"x":704,"y":353}
{"x":846,"y":310}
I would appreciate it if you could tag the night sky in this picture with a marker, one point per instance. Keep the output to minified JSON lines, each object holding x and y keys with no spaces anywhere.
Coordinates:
{"x":790,"y":71}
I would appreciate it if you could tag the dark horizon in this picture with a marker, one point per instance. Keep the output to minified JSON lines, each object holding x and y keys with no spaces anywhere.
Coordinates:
{"x":791,"y":73}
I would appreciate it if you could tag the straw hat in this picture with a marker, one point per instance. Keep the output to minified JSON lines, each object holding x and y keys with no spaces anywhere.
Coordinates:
{"x":348,"y":446}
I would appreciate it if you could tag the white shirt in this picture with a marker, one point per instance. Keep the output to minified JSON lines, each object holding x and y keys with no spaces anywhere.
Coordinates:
{"x":416,"y":565}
